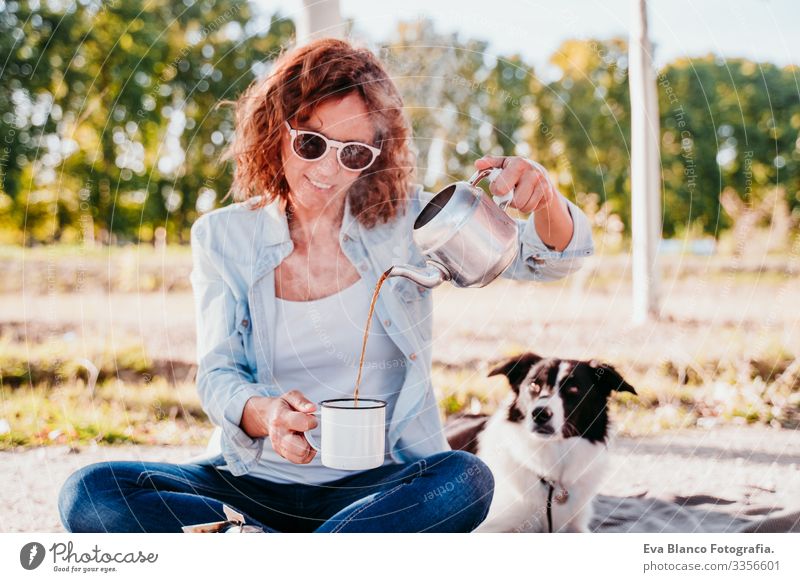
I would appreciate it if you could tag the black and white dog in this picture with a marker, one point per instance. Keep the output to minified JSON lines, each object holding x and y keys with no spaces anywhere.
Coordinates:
{"x":547,"y":444}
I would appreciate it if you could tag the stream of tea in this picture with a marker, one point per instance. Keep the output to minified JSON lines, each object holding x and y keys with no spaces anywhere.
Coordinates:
{"x":366,"y":333}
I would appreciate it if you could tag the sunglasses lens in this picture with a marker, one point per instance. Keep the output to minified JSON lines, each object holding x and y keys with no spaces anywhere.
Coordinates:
{"x":356,"y":157}
{"x":309,"y":146}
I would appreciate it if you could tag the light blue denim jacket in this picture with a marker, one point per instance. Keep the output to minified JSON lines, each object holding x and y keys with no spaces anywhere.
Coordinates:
{"x":235,"y":251}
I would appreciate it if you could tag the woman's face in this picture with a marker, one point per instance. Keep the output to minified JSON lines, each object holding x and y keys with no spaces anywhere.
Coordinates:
{"x":324,"y":181}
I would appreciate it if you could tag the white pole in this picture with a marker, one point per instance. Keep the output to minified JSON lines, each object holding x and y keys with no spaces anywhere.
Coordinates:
{"x":320,"y":18}
{"x":645,"y":168}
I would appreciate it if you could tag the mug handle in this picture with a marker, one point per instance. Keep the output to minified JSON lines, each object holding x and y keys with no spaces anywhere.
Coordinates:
{"x":491,"y":175}
{"x":309,"y":439}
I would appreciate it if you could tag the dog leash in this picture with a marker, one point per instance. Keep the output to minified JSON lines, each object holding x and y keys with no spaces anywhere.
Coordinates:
{"x":560,"y":499}
{"x":549,"y":504}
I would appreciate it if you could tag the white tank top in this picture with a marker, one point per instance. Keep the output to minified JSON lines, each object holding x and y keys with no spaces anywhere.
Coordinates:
{"x":317,"y":348}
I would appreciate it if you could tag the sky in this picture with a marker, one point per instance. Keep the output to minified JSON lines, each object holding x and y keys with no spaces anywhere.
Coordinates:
{"x":762,"y":30}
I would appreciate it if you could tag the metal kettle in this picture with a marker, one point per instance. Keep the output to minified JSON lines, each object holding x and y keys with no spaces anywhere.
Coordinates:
{"x":466,"y":237}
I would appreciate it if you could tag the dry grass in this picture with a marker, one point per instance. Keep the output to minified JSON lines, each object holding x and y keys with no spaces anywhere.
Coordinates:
{"x":153,"y":413}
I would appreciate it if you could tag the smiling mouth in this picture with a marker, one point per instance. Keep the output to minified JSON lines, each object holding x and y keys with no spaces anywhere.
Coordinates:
{"x":321,"y":186}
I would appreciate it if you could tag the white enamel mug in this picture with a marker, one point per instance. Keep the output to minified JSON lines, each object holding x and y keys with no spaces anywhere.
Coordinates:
{"x":353,"y":437}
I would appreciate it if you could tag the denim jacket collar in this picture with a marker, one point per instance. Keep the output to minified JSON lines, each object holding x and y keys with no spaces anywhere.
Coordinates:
{"x":273,"y":230}
{"x":279,"y":226}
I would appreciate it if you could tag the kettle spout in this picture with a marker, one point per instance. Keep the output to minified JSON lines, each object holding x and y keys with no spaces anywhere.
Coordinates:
{"x":429,"y":276}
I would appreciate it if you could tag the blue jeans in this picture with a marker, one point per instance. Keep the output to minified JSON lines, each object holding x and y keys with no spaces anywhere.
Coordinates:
{"x":446,"y":492}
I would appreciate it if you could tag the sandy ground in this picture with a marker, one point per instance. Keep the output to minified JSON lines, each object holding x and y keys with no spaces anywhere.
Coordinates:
{"x":715,"y":480}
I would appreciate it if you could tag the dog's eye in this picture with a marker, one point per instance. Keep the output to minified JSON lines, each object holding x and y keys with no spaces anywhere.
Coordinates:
{"x":534,"y":387}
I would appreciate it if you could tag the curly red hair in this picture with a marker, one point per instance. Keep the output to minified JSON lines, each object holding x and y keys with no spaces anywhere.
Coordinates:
{"x":301,"y":80}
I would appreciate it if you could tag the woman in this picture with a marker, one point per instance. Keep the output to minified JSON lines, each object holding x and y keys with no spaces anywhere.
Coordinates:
{"x":282,"y":283}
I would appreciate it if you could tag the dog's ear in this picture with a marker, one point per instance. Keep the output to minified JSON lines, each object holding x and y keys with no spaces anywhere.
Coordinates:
{"x":609,"y":379}
{"x":516,"y":368}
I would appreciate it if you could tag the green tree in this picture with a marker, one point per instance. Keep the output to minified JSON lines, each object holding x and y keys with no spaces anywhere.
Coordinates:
{"x":581,"y":127}
{"x":726,"y":124}
{"x":108,"y":111}
{"x":439,"y":78}
{"x":109,"y":125}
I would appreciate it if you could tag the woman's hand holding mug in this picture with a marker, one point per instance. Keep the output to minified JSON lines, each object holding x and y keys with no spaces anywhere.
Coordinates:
{"x":283,"y":420}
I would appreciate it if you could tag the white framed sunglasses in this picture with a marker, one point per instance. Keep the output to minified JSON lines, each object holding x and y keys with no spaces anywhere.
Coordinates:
{"x":352,"y":155}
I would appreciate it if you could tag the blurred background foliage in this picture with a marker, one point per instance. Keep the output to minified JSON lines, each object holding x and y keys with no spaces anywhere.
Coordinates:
{"x":110,"y":130}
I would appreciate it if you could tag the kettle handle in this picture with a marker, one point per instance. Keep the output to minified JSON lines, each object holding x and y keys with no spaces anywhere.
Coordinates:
{"x":491,"y":174}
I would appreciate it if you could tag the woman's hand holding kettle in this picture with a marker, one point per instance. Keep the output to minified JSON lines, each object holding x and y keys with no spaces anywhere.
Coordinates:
{"x":533,"y":192}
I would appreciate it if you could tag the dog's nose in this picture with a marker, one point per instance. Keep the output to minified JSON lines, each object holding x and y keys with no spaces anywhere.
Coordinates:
{"x":541,"y":415}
